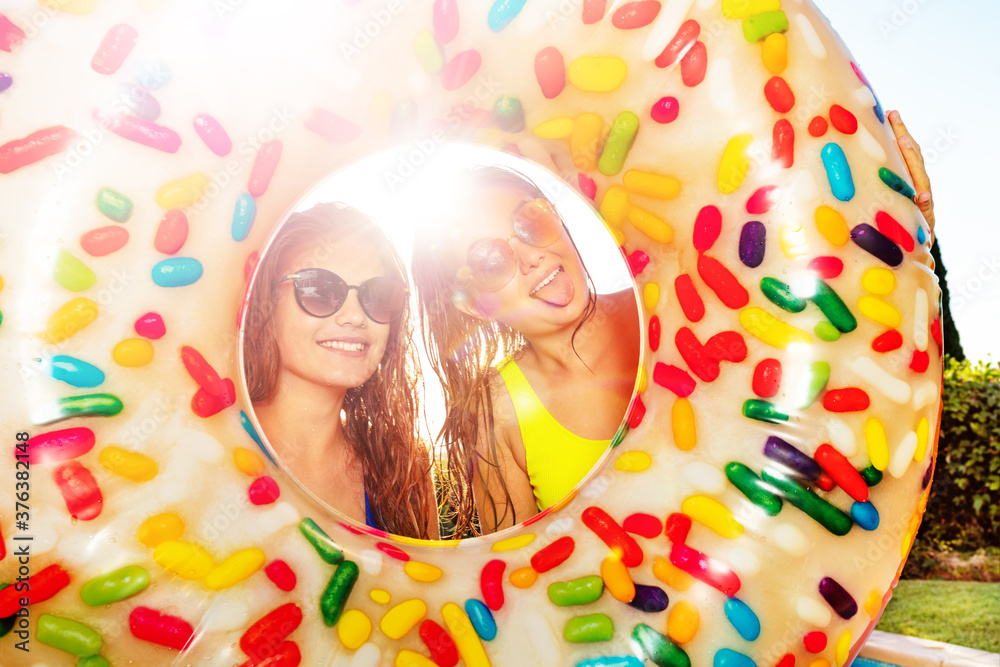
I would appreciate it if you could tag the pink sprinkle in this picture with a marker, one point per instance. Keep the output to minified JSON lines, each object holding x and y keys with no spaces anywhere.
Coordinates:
{"x":264,"y":491}
{"x":445,"y":20}
{"x":143,"y":132}
{"x":460,"y":69}
{"x":665,"y":110}
{"x":114,"y":49}
{"x":331,"y":126}
{"x":587,"y":186}
{"x":263,"y":167}
{"x":393,"y":551}
{"x":150,"y":326}
{"x":10,"y":34}
{"x":250,"y":265}
{"x":282,"y":575}
{"x":213,"y":134}
{"x":673,"y":378}
{"x":828,"y":268}
{"x":763,"y":200}
{"x":637,"y":261}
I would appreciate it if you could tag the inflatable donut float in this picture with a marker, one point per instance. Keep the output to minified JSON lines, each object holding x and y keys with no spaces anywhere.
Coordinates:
{"x":782,"y":440}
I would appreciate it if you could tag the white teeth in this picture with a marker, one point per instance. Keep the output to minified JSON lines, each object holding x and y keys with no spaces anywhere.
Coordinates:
{"x":545,"y":282}
{"x":341,"y":345}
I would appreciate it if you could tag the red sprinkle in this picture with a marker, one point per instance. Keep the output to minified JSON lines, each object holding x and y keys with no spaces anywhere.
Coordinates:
{"x":677,"y":527}
{"x":682,"y":42}
{"x":103,"y":240}
{"x":634,"y":15}
{"x":827,"y":268}
{"x":281,"y":575}
{"x":39,"y":588}
{"x":620,"y":542}
{"x":261,"y":638}
{"x":61,"y":445}
{"x":393,"y":551}
{"x":114,"y":49}
{"x":587,"y":185}
{"x":646,"y":525}
{"x":460,"y":69}
{"x":637,"y":261}
{"x":818,"y":126}
{"x":707,"y":227}
{"x":779,"y":95}
{"x":722,"y":281}
{"x":10,"y":35}
{"x":213,"y":134}
{"x":636,"y":412}
{"x":554,"y":554}
{"x":332,"y":127}
{"x":895,"y":231}
{"x":550,"y":70}
{"x":264,"y":491}
{"x":694,"y":64}
{"x":152,"y":626}
{"x":920,"y":362}
{"x":714,"y":573}
{"x":491,"y":583}
{"x":783,"y":144}
{"x":843,"y":473}
{"x":35,"y":147}
{"x":825,"y":482}
{"x":935,"y":332}
{"x":763,"y":200}
{"x":201,"y":371}
{"x":889,"y":341}
{"x":172,"y":232}
{"x":150,"y":326}
{"x":654,"y":333}
{"x":787,"y":661}
{"x":205,"y":404}
{"x":285,"y":654}
{"x":675,"y":379}
{"x":442,"y":647}
{"x":250,"y":265}
{"x":687,"y":296}
{"x":815,"y":642}
{"x":850,"y":399}
{"x":665,"y":110}
{"x":703,"y":360}
{"x":843,"y":120}
{"x":593,"y":11}
{"x":767,"y":378}
{"x":80,"y":491}
{"x":143,"y":132}
{"x":263,"y":167}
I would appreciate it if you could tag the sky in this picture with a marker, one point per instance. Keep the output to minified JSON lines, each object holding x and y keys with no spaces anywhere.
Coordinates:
{"x":938,"y":63}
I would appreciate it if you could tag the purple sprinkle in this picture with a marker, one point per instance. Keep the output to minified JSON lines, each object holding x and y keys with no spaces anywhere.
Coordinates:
{"x":139,"y":100}
{"x":752,"y":243}
{"x":649,"y":599}
{"x":778,"y":450}
{"x":927,"y":476}
{"x":6,"y":81}
{"x":877,"y":244}
{"x":838,"y":598}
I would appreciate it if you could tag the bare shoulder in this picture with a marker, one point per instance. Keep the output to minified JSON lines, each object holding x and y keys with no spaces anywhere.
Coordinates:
{"x":505,"y":424}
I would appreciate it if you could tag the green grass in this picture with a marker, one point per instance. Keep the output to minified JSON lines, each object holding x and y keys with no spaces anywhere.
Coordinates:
{"x":966,"y":613}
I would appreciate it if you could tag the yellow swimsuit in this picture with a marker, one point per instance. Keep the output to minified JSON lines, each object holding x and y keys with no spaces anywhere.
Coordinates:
{"x":557,"y":458}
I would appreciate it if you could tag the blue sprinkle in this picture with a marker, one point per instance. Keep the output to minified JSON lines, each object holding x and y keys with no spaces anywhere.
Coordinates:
{"x":742,"y":618}
{"x":838,"y":172}
{"x":921,"y":237}
{"x":177,"y":272}
{"x":729,"y":658}
{"x":246,"y":210}
{"x":74,"y":372}
{"x":865,"y":515}
{"x":252,"y":432}
{"x":482,"y":619}
{"x":6,"y":81}
{"x":151,"y":73}
{"x":502,"y":13}
{"x":612,"y":661}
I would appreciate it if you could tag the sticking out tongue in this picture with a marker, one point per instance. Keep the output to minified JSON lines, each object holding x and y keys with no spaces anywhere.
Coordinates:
{"x":559,"y":291}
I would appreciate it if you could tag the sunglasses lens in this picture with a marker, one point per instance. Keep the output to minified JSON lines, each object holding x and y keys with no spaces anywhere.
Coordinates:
{"x":492,"y":264}
{"x":382,"y":298}
{"x":537,"y":223}
{"x":320,"y":292}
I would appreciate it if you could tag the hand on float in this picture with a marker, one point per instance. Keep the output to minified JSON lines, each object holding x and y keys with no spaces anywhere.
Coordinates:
{"x":914,"y":159}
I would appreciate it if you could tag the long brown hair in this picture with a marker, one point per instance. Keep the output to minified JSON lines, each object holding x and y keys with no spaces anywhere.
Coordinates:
{"x":462,"y":350}
{"x":381,"y":415}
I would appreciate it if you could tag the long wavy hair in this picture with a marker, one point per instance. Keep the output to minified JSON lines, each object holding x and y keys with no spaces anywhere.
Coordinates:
{"x":380,"y":416}
{"x":462,"y":350}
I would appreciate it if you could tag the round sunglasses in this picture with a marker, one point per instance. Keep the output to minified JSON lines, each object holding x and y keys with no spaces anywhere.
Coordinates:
{"x":491,"y":263}
{"x":321,"y":293}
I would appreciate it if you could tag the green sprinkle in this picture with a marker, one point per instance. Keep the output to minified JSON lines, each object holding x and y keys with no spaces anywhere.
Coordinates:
{"x":819,"y":375}
{"x":781,"y":295}
{"x":7,"y":623}
{"x":871,"y":475}
{"x":93,"y":661}
{"x":619,"y":143}
{"x":761,"y":25}
{"x":115,"y":586}
{"x":113,"y":204}
{"x":68,"y":635}
{"x":89,"y":405}
{"x":509,"y":114}
{"x":324,"y":546}
{"x":893,"y":180}
{"x":747,"y":481}
{"x":834,"y":308}
{"x":659,"y":649}
{"x":819,"y":510}
{"x":578,"y":591}
{"x":754,"y":408}
{"x":71,"y":273}
{"x":590,"y":628}
{"x":331,"y":603}
{"x":826,"y":331}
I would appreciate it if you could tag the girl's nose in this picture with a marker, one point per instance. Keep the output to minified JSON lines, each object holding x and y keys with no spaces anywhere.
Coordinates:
{"x":351,"y":313}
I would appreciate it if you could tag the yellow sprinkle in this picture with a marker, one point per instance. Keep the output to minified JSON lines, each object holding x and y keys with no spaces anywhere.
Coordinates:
{"x":130,"y":465}
{"x":923,"y":436}
{"x":616,"y":234}
{"x":843,"y":648}
{"x":614,"y":205}
{"x":712,"y":514}
{"x":775,"y":53}
{"x":682,"y":424}
{"x":633,"y":462}
{"x":641,"y":382}
{"x":879,"y":281}
{"x":402,"y":539}
{"x":79,"y":7}
{"x":238,"y":567}
{"x":879,"y":311}
{"x":379,"y":596}
{"x":1,"y":282}
{"x":794,"y":242}
{"x":671,"y":575}
{"x":617,"y":579}
{"x":133,"y":352}
{"x":428,"y":52}
{"x":735,"y":163}
{"x":650,"y":184}
{"x":186,"y":560}
{"x":742,"y":9}
{"x":70,"y":319}
{"x":556,"y":128}
{"x":160,"y":528}
{"x":586,"y":141}
{"x":651,"y":225}
{"x":408,"y":658}
{"x":771,"y":330}
{"x":512,"y":543}
{"x":400,"y":619}
{"x":523,"y":577}
{"x":354,"y":628}
{"x":832,"y":226}
{"x":424,"y":572}
{"x":248,"y":463}
{"x":597,"y":74}
{"x":683,"y":622}
{"x":820,"y":662}
{"x":878,"y":444}
{"x":911,"y":534}
{"x":650,"y":295}
{"x":183,"y":192}
{"x":469,"y":645}
{"x":873,"y":604}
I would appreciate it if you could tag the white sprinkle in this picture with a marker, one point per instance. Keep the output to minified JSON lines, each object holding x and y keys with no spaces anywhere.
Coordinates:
{"x":921,"y":320}
{"x":813,"y":612}
{"x":665,"y":27}
{"x":542,"y":639}
{"x":841,"y":436}
{"x":199,"y":445}
{"x":925,"y":394}
{"x":371,"y":562}
{"x":791,"y":540}
{"x":705,"y":477}
{"x":870,"y":144}
{"x":275,"y":518}
{"x":368,"y":655}
{"x":808,"y":33}
{"x":891,"y":386}
{"x":864,"y":96}
{"x":743,"y":561}
{"x":903,"y":455}
{"x":721,"y":87}
{"x":225,"y":616}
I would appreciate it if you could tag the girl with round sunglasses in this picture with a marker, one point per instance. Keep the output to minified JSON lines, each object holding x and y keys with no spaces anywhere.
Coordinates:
{"x":505,"y":281}
{"x":331,"y":370}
